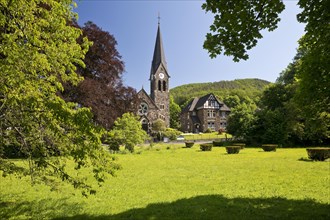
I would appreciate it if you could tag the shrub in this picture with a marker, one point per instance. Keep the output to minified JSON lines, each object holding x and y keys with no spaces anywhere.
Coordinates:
{"x":269,"y":147}
{"x":129,"y":147}
{"x":217,"y":143}
{"x":206,"y":147}
{"x":242,"y":145}
{"x":208,"y":130}
{"x":171,"y":133}
{"x":221,"y":130}
{"x":233,"y":149}
{"x":113,"y":144}
{"x":189,"y":144}
{"x":319,"y":153}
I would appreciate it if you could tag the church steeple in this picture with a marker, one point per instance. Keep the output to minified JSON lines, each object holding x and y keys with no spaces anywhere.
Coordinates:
{"x":159,"y":80}
{"x":159,"y":54}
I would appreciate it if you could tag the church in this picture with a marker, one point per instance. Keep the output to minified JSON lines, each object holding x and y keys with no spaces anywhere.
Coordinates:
{"x":156,"y":105}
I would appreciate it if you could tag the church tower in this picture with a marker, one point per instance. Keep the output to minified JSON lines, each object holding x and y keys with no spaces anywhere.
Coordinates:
{"x":159,"y":80}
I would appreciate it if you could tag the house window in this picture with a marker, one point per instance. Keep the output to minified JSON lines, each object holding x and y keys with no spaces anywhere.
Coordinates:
{"x":164,"y":86}
{"x":223,"y":114}
{"x":162,"y":106}
{"x":211,"y":125}
{"x":211,"y":113}
{"x":223,"y":125}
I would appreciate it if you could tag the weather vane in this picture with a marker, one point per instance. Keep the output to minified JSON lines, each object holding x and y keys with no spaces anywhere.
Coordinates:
{"x":158,"y":18}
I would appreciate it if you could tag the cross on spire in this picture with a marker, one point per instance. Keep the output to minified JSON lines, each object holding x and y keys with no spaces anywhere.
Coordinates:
{"x":158,"y":18}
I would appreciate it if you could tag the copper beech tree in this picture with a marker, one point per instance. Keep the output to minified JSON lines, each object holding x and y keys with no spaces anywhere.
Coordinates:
{"x":102,"y":88}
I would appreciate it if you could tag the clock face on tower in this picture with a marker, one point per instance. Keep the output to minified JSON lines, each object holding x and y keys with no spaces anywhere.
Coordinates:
{"x":161,"y":75}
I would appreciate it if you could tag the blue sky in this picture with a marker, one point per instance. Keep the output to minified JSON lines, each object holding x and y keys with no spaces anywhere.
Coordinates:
{"x":184,"y":26}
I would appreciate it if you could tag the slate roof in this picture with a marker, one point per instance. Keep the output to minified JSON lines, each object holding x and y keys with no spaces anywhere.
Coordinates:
{"x":159,"y":54}
{"x":197,"y":103}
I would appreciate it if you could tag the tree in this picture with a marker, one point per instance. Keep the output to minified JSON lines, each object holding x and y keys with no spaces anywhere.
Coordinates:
{"x":240,"y":121}
{"x":175,"y":111}
{"x":39,"y":52}
{"x":102,"y":88}
{"x":232,"y":101}
{"x":236,"y":29}
{"x":127,"y":131}
{"x":237,"y":25}
{"x":158,"y":127}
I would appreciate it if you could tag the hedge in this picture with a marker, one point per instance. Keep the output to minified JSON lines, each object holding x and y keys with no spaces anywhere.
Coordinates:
{"x":319,"y":153}
{"x":242,"y":145}
{"x":233,"y":149}
{"x":189,"y":144}
{"x":269,"y":147}
{"x":206,"y":147}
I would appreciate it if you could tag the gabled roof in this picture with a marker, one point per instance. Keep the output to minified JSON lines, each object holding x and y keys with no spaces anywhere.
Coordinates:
{"x":198,"y":103}
{"x":159,"y":54}
{"x":202,"y":100}
{"x":143,"y":93}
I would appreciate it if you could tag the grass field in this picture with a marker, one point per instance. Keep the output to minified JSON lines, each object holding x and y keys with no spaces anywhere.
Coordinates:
{"x":171,"y":182}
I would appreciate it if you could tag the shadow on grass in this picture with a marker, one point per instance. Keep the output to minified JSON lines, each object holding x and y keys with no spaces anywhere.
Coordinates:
{"x":219,"y":207}
{"x":200,"y":207}
{"x":42,"y":209}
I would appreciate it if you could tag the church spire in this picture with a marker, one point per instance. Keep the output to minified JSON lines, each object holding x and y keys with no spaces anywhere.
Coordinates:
{"x":159,"y":55}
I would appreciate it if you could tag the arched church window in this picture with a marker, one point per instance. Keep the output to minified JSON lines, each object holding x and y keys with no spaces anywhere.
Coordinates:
{"x":164,"y":86}
{"x":159,"y":85}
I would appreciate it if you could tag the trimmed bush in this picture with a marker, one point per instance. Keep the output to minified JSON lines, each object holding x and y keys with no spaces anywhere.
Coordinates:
{"x":233,"y":149}
{"x":206,"y":147}
{"x":318,"y":153}
{"x":189,"y":144}
{"x":269,"y":147}
{"x":217,"y":143}
{"x":242,"y":145}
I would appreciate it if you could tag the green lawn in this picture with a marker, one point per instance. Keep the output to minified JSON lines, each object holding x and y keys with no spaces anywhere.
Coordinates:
{"x":184,"y":183}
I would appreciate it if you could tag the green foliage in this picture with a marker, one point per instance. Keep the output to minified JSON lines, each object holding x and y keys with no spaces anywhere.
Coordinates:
{"x":39,"y":52}
{"x":127,"y":131}
{"x":236,"y":29}
{"x":314,"y":66}
{"x":171,"y":133}
{"x":158,"y":126}
{"x":240,"y":121}
{"x":244,"y":89}
{"x":175,"y":111}
{"x":237,"y":25}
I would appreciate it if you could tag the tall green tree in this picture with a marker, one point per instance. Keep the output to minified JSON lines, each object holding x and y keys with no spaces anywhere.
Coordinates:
{"x":38,"y":52}
{"x":240,"y":121}
{"x":175,"y":111}
{"x":236,"y":29}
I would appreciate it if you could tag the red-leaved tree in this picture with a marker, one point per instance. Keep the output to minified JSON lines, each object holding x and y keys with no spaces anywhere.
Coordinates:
{"x":102,"y":88}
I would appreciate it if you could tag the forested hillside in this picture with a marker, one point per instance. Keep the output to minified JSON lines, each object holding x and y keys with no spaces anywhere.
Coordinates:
{"x":243,"y":88}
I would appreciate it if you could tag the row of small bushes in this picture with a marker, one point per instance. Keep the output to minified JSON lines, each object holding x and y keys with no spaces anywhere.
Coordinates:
{"x":320,"y":154}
